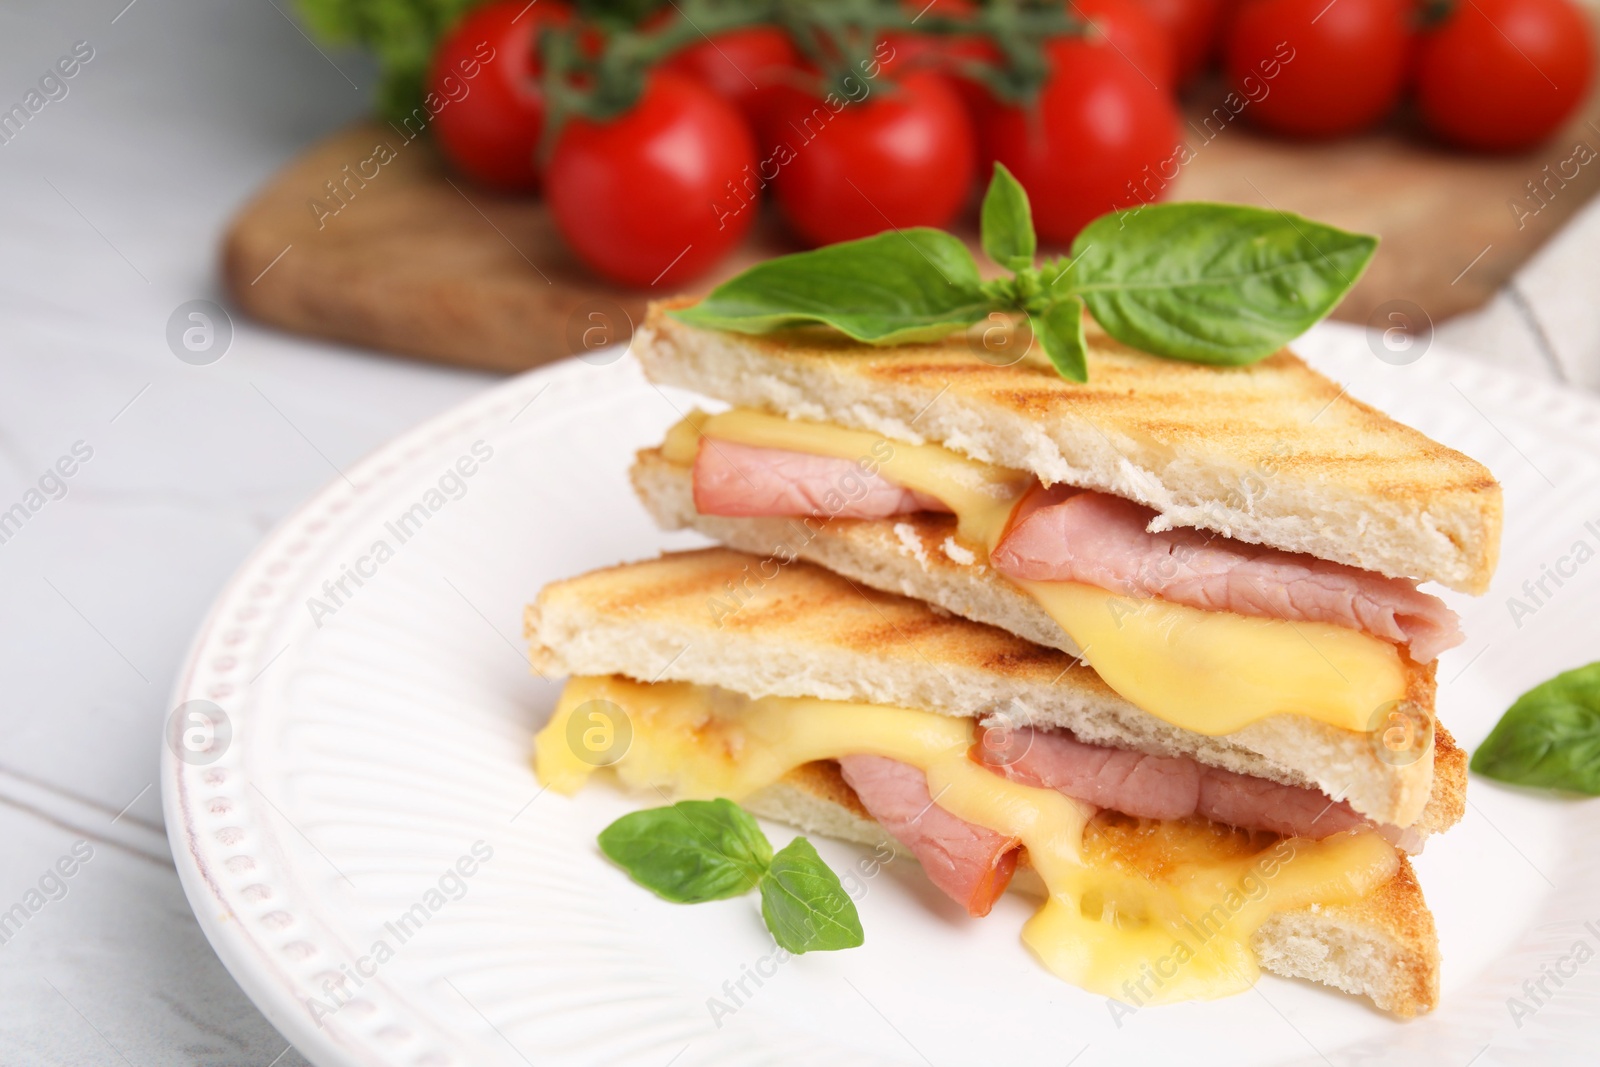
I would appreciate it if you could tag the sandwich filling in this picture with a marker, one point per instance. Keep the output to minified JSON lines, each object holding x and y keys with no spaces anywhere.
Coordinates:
{"x":1155,"y":908}
{"x":1205,"y":632}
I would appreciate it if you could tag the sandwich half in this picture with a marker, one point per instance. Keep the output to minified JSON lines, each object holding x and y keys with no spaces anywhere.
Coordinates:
{"x":1235,"y":551}
{"x":1169,"y":868}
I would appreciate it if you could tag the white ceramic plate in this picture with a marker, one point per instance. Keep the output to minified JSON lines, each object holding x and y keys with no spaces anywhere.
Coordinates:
{"x":380,"y":738}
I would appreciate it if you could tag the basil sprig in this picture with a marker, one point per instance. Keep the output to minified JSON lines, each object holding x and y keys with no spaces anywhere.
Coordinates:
{"x":1207,"y":283}
{"x":1550,"y":737}
{"x":699,"y":850}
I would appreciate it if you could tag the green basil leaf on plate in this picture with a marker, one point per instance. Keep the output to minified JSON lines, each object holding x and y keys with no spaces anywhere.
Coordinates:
{"x":1006,"y":222}
{"x":900,"y":286}
{"x":693,"y":851}
{"x":1550,"y":737}
{"x":1213,"y":283}
{"x":805,"y":906}
{"x":1060,"y":328}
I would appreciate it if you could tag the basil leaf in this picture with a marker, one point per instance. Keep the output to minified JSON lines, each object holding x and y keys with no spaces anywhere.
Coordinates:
{"x":1550,"y":737}
{"x":1060,"y":327}
{"x":693,"y":851}
{"x":904,"y":285}
{"x":1007,"y":222}
{"x":804,"y":905}
{"x":1213,"y":283}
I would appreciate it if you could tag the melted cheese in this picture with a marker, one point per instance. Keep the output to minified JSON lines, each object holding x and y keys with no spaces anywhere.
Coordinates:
{"x":1210,"y":672}
{"x":1214,"y":672}
{"x":1168,"y":917}
{"x":981,"y":495}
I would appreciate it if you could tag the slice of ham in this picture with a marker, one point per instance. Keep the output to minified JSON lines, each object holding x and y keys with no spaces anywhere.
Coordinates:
{"x":745,"y":480}
{"x":1063,"y":534}
{"x":1257,"y":804}
{"x":1161,"y":787}
{"x":973,"y":865}
{"x":1066,"y":534}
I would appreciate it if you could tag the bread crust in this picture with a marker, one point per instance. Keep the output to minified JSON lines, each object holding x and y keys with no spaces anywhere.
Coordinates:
{"x":911,"y":556}
{"x":1272,"y":454}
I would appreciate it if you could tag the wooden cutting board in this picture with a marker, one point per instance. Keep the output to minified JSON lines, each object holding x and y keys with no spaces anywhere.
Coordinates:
{"x":409,"y":259}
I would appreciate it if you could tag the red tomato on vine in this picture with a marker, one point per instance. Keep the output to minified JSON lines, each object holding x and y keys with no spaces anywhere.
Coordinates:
{"x":486,"y":73}
{"x":740,"y":64}
{"x":1193,"y":30}
{"x":1337,"y":68}
{"x":1503,"y":75}
{"x":899,"y":155}
{"x":646,"y":199}
{"x":1134,"y":33}
{"x":1102,"y":137}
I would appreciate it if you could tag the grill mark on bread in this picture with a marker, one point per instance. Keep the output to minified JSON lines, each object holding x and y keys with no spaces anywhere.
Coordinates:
{"x":1007,"y":662}
{"x":943,"y":369}
{"x":1384,"y":496}
{"x":804,"y":599}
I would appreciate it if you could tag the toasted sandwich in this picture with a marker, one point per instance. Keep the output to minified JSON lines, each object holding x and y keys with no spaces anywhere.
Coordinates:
{"x":1172,"y":864}
{"x":1235,"y":551}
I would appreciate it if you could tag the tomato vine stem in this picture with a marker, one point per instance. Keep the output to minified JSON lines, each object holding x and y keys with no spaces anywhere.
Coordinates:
{"x":597,"y":69}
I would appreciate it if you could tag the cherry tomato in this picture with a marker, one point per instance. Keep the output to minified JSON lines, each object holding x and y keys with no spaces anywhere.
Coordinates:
{"x":648,"y":198}
{"x":945,"y":54}
{"x":915,"y":50}
{"x":1131,"y":30}
{"x":1134,"y":33}
{"x":900,"y":155}
{"x":736,"y":65}
{"x":1102,"y":137}
{"x":1193,"y":29}
{"x":485,"y":78}
{"x":1501,"y":75}
{"x":1314,"y":69}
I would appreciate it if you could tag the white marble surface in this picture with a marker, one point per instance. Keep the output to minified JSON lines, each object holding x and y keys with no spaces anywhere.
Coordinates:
{"x":111,"y":202}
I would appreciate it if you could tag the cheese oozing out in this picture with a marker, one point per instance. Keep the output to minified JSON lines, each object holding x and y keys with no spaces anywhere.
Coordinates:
{"x":1171,"y":919}
{"x":1209,"y":672}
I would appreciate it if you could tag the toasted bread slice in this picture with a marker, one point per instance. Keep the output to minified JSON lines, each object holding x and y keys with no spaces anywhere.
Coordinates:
{"x":1272,"y":454}
{"x":760,"y":627}
{"x":1384,"y":947}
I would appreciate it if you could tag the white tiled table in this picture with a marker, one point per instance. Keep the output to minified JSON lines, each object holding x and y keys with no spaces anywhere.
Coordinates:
{"x":1547,"y":321}
{"x":111,"y":200}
